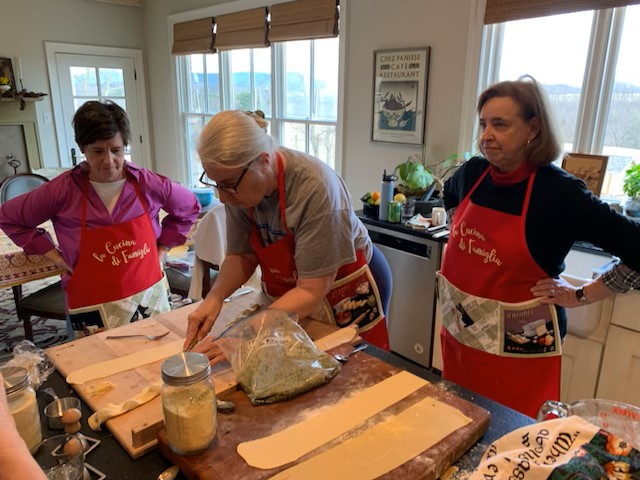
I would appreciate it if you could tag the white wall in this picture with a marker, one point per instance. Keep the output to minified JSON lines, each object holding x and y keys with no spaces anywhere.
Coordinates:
{"x":161,"y":88}
{"x":381,"y":24}
{"x":27,"y":24}
{"x":370,"y":25}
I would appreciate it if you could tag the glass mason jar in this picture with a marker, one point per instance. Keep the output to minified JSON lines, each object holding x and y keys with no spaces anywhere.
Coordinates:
{"x":23,"y":405}
{"x":188,"y":403}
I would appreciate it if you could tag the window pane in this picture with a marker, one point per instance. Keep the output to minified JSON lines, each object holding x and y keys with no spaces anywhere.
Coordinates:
{"x":195,"y":67}
{"x":622,"y":131}
{"x":213,"y":84}
{"x":78,"y":102}
{"x":556,"y":58}
{"x":83,"y":81}
{"x":297,"y":75}
{"x":120,"y":101}
{"x":249,"y":84}
{"x":262,"y":69}
{"x":111,"y":82}
{"x":322,"y":143}
{"x":240,"y":61}
{"x":194,"y":124}
{"x":294,"y":136}
{"x":325,"y":79}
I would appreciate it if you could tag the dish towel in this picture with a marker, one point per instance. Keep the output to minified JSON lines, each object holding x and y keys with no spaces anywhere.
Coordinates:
{"x":210,"y":245}
{"x":562,"y":448}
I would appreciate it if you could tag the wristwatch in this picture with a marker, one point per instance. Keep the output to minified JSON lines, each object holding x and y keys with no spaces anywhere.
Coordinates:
{"x":581,"y":295}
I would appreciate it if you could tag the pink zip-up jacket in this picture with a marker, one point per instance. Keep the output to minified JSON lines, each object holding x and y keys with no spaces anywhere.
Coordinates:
{"x":60,"y":200}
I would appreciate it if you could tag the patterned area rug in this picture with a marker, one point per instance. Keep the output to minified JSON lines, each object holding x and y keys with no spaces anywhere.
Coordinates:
{"x":46,"y":331}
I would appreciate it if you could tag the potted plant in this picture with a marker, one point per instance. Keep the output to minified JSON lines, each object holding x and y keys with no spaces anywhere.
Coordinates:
{"x":631,"y":188}
{"x":417,"y":180}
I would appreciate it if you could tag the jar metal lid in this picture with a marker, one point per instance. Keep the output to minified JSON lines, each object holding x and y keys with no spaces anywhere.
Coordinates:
{"x":15,"y":379}
{"x":185,"y":368}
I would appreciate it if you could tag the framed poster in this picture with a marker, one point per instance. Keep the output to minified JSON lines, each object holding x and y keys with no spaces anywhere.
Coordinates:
{"x":590,"y":168}
{"x":400,"y":95}
{"x":6,"y":71}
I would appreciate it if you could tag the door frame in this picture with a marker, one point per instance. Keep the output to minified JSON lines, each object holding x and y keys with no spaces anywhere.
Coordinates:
{"x":53,"y":48}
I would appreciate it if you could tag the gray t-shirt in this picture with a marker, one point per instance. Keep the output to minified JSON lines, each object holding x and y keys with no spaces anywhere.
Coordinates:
{"x":318,"y":213}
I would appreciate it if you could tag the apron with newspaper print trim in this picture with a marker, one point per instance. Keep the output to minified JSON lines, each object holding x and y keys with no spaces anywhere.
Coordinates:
{"x":509,"y":353}
{"x":354,"y":297}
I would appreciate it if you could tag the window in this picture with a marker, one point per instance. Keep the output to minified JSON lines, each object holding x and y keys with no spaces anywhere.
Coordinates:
{"x":294,"y":83}
{"x":587,"y":62}
{"x":622,"y":124}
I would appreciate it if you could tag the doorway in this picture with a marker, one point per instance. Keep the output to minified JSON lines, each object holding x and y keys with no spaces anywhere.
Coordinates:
{"x":79,"y":73}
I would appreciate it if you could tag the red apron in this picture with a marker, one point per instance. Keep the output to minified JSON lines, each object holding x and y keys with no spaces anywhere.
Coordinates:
{"x":488,"y":258}
{"x":115,"y":261}
{"x":354,"y":296}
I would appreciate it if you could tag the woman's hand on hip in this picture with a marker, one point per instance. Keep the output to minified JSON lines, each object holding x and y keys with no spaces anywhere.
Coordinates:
{"x":201,"y":320}
{"x":555,"y":291}
{"x":55,"y":257}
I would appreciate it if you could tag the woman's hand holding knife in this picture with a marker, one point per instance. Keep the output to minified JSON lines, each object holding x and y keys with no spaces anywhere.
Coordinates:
{"x":201,"y":321}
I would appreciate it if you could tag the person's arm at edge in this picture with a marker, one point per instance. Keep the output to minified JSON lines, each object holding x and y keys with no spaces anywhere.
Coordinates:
{"x":16,"y":462}
{"x":20,"y":217}
{"x":618,"y":279}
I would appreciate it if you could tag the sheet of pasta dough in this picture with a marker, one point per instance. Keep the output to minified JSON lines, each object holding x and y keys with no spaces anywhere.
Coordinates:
{"x":144,"y":357}
{"x":122,"y":364}
{"x":297,"y":440}
{"x":383,"y":447}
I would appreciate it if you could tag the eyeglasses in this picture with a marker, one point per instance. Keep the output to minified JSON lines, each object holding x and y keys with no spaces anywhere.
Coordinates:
{"x":231,"y":190}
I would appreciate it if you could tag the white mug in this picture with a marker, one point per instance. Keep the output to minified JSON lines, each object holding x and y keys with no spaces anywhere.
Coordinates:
{"x":438,"y":216}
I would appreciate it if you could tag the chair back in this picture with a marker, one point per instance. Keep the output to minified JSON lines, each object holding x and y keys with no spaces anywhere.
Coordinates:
{"x":18,"y":184}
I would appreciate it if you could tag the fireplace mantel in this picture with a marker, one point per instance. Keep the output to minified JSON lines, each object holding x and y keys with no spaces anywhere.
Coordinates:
{"x":11,"y":115}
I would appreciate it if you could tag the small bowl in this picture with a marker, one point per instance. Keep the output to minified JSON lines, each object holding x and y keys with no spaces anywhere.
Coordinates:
{"x":55,"y":409}
{"x":424,"y":208}
{"x":370,"y":211}
{"x":204,"y":195}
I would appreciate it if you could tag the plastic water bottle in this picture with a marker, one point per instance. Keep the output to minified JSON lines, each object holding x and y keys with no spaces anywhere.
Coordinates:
{"x":386,"y":195}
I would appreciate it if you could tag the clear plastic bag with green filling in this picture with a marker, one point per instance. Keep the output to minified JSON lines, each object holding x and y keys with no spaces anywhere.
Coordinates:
{"x":273,"y":358}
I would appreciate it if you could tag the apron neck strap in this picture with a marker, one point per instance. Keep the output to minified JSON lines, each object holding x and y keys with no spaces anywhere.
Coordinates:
{"x":281,"y":192}
{"x":281,"y":195}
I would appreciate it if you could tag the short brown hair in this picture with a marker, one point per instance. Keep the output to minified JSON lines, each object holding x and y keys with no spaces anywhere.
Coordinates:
{"x":533,"y":102}
{"x":95,"y":121}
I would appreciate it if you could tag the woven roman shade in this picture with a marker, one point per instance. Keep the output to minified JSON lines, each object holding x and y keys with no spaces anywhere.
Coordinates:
{"x":246,"y":29}
{"x":195,"y":36}
{"x":304,"y":20}
{"x":498,"y":11}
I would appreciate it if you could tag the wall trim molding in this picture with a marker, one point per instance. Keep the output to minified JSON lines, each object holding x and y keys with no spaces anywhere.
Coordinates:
{"x":127,"y":3}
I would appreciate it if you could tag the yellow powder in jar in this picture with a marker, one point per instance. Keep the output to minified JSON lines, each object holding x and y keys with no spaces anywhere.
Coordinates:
{"x":190,"y":419}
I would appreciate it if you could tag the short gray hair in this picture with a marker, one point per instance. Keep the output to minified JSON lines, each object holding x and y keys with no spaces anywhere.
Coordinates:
{"x":234,"y":138}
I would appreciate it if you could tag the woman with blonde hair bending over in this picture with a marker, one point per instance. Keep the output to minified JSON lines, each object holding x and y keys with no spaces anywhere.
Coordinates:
{"x":291,"y":214}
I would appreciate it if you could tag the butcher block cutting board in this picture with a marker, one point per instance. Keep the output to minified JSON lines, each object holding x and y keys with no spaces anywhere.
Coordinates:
{"x":248,"y":422}
{"x":137,"y":430}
